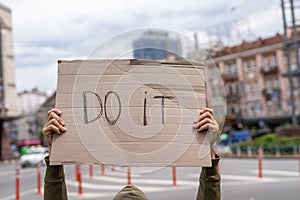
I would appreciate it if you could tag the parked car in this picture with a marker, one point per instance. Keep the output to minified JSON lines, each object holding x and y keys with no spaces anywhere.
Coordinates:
{"x":234,"y":137}
{"x":33,"y":157}
{"x":239,"y":136}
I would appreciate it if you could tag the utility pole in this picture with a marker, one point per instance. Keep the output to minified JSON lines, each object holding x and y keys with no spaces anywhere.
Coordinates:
{"x":288,"y":45}
{"x":296,"y":48}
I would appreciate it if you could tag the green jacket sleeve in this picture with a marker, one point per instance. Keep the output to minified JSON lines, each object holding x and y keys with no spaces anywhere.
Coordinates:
{"x":209,"y":188}
{"x":54,"y":182}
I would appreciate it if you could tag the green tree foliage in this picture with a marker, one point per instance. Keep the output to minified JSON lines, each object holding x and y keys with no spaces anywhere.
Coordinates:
{"x":270,"y":144}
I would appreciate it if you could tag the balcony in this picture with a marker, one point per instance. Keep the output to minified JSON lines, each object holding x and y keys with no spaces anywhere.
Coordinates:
{"x":269,"y":93}
{"x":227,"y":77}
{"x":233,"y":97}
{"x":233,"y":115}
{"x":253,"y":97}
{"x":269,"y":69}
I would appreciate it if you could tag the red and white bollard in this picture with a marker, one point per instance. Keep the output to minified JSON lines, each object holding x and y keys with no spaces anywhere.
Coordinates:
{"x":260,"y":174}
{"x":80,"y":192}
{"x":128,"y":176}
{"x":102,"y":169}
{"x":76,"y":172}
{"x":91,"y":171}
{"x":17,"y":181}
{"x":39,"y":178}
{"x":174,"y":175}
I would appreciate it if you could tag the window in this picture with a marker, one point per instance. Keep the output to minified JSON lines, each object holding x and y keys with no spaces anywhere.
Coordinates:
{"x":259,"y":108}
{"x":276,"y":83}
{"x":270,"y":107}
{"x":227,"y":69}
{"x":278,"y":105}
{"x":232,"y":110}
{"x":268,"y":85}
{"x":227,"y":88}
{"x":247,"y":88}
{"x":256,"y":88}
{"x":253,"y":64}
{"x":231,"y":67}
{"x":249,"y":109}
{"x":273,"y":60}
{"x":246,"y":67}
{"x":256,"y":108}
{"x":266,"y":61}
{"x":236,"y":90}
{"x":234,"y":68}
{"x":230,"y":91}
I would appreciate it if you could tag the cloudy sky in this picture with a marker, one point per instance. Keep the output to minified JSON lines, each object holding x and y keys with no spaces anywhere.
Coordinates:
{"x":48,"y":30}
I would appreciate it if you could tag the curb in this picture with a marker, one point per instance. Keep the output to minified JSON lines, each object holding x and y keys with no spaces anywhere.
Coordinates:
{"x":264,"y":157}
{"x":8,"y":162}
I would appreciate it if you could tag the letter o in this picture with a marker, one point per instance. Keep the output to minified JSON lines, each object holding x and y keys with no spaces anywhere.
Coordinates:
{"x":112,"y":121}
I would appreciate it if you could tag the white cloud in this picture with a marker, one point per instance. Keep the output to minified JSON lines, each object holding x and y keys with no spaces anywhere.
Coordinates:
{"x":45,"y":31}
{"x":43,"y":78}
{"x":271,"y":17}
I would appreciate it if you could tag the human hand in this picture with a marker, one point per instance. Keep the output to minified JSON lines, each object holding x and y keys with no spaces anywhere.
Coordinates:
{"x":207,"y":122}
{"x":54,"y":125}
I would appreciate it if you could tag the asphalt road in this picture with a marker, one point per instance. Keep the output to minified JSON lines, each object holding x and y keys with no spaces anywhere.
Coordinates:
{"x":240,"y":181}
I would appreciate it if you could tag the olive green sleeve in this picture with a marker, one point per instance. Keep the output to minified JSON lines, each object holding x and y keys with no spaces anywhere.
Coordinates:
{"x":54,"y":182}
{"x":209,"y":188}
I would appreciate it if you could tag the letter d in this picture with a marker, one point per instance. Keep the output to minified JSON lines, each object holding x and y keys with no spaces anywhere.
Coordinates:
{"x":85,"y":106}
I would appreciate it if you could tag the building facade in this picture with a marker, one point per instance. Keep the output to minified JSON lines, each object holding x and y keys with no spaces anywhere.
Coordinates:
{"x":256,"y":89}
{"x":156,"y":45}
{"x":27,"y":126}
{"x":8,"y":95}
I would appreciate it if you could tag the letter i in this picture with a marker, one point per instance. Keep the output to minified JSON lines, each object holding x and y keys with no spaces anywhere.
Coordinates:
{"x":145,"y":109}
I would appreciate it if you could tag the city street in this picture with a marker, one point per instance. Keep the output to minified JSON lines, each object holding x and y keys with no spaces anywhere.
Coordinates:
{"x":150,"y":83}
{"x":239,"y":181}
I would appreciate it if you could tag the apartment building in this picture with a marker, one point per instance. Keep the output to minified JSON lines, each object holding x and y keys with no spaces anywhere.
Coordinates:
{"x":29,"y":102}
{"x":252,"y":74}
{"x":8,"y":95}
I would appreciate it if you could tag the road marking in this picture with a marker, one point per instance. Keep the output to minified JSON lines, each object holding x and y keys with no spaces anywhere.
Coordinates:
{"x":114,"y":187}
{"x":143,"y":181}
{"x":261,"y":181}
{"x":239,"y":177}
{"x":21,"y":194}
{"x":246,"y":178}
{"x":93,"y":186}
{"x":121,"y":174}
{"x":7,"y":173}
{"x":278,"y":172}
{"x":160,"y":185}
{"x":90,"y":195}
{"x":22,"y":172}
{"x":108,"y":190}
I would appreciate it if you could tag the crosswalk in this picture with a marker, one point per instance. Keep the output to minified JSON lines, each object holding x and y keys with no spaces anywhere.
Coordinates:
{"x":278,"y":172}
{"x":102,"y":187}
{"x":105,"y":187}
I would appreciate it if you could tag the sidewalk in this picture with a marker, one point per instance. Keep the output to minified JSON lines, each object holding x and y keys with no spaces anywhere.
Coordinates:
{"x":225,"y":152}
{"x":8,"y":162}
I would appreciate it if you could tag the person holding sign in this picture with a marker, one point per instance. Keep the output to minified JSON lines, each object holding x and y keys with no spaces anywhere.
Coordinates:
{"x":209,"y":182}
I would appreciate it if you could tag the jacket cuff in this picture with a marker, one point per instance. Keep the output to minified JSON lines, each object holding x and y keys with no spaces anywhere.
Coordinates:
{"x":53,"y":172}
{"x":213,"y":170}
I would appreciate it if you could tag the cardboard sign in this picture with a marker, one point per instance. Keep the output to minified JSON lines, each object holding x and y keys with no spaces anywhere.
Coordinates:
{"x":130,"y":113}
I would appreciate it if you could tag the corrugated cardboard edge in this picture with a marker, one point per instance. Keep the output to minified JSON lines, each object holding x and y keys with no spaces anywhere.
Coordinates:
{"x":88,"y":158}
